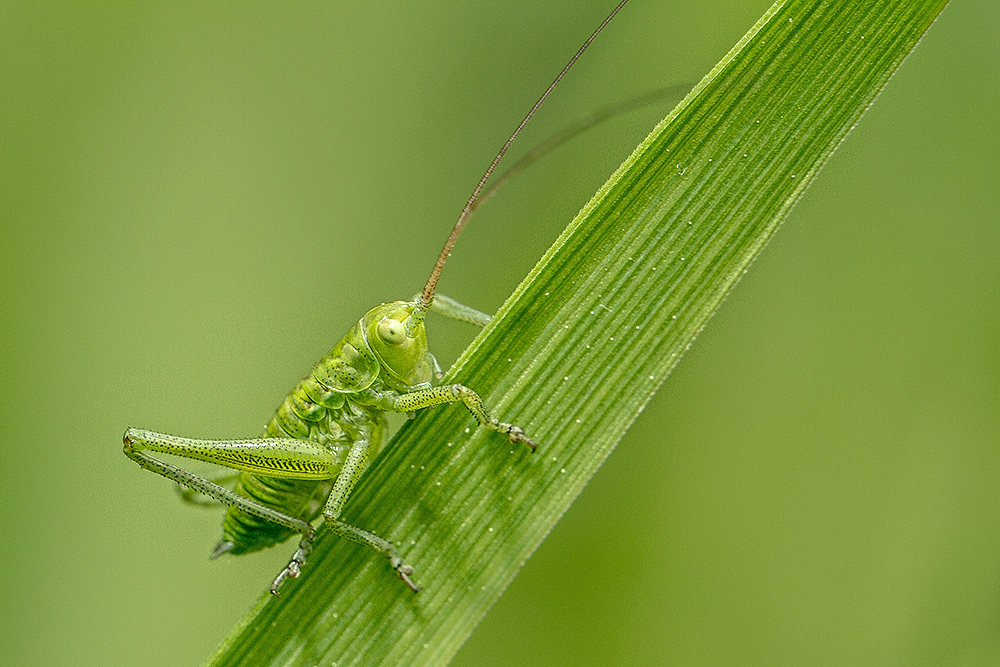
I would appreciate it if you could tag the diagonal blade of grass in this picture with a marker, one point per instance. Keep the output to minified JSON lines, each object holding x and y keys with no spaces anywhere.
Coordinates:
{"x":587,"y":338}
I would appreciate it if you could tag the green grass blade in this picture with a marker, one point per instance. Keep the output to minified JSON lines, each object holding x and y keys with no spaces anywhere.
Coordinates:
{"x":585,"y":341}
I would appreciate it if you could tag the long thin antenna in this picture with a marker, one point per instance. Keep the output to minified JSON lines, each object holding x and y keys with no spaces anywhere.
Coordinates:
{"x":427,"y":295}
{"x":673,"y":93}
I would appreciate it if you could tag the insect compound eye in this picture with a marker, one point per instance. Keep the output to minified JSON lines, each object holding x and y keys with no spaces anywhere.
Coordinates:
{"x":391,"y":331}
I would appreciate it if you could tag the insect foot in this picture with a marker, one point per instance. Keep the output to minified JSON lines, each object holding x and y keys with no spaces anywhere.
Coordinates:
{"x":404,"y":571}
{"x":294,"y":567}
{"x":516,"y":434}
{"x":292,"y":570}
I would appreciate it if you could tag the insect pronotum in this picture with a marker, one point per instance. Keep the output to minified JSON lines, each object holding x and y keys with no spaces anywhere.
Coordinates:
{"x":328,"y":428}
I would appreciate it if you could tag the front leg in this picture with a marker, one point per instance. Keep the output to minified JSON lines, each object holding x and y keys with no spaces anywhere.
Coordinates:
{"x":457,"y":311}
{"x":418,"y":399}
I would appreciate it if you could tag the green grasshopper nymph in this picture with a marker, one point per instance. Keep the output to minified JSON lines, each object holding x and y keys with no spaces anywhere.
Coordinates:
{"x":330,"y":426}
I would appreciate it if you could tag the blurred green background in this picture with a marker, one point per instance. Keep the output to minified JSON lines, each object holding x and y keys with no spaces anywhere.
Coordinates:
{"x":198,"y":201}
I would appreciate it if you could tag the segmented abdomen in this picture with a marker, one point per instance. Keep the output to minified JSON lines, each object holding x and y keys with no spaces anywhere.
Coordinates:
{"x":300,"y":417}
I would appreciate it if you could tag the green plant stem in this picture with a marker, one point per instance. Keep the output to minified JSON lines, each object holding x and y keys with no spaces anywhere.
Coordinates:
{"x":585,"y":341}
